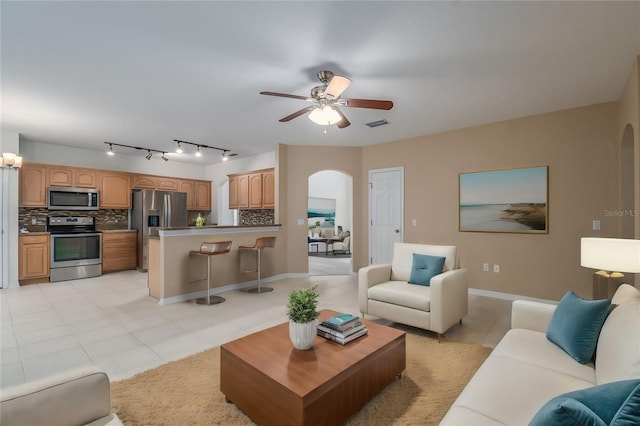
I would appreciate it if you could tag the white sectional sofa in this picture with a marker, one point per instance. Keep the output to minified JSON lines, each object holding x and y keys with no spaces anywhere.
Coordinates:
{"x":526,"y":370}
{"x":76,"y":397}
{"x":384,"y":291}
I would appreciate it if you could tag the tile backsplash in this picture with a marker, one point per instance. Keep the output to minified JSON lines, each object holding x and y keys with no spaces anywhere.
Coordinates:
{"x":35,"y":219}
{"x":257,"y":217}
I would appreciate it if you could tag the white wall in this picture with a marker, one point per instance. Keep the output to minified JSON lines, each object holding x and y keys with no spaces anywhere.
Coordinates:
{"x":217,"y":173}
{"x":9,"y":142}
{"x":37,"y":152}
{"x":337,"y":185}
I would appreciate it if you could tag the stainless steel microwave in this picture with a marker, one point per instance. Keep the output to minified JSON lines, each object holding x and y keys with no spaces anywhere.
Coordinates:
{"x":65,"y":198}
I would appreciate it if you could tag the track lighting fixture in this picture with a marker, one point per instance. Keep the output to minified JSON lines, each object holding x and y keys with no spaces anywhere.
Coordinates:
{"x":226,"y":154}
{"x":110,"y":152}
{"x":148,"y":156}
{"x":179,"y":149}
{"x":164,"y":156}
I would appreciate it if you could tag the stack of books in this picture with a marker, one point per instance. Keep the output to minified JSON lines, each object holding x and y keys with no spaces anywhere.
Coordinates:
{"x":342,"y":328}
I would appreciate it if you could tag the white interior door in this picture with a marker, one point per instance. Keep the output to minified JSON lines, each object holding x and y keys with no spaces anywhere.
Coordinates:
{"x":386,"y":213}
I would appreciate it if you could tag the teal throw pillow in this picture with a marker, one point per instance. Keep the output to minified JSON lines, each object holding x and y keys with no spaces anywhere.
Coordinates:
{"x":616,"y":403}
{"x":424,"y":268}
{"x":575,"y":325}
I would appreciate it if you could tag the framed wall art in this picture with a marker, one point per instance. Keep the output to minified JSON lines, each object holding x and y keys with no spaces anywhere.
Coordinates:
{"x":513,"y":200}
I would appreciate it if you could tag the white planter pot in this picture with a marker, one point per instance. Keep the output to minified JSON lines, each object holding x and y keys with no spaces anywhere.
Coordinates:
{"x":302,"y":335}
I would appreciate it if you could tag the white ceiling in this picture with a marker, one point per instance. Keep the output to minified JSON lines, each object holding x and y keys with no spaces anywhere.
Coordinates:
{"x":145,"y":73}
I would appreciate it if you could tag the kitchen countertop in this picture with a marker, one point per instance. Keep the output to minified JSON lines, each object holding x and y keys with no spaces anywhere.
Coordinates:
{"x":113,"y":231}
{"x":34,"y":233}
{"x":176,"y":228}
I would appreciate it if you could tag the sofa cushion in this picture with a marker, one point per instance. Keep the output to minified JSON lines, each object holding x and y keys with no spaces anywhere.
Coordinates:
{"x":403,"y":258}
{"x":575,"y":325}
{"x":618,"y":351}
{"x":597,"y":405}
{"x":424,"y":268}
{"x":534,"y":348}
{"x":402,"y":294}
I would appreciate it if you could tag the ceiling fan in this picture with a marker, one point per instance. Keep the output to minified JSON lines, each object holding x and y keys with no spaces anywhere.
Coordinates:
{"x":326,"y":100}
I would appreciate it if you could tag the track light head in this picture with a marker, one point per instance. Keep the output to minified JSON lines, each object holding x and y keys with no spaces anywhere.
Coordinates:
{"x":110,"y":152}
{"x":198,"y":153}
{"x":225,"y":155}
{"x":179,"y":149}
{"x":148,"y":156}
{"x":164,"y":156}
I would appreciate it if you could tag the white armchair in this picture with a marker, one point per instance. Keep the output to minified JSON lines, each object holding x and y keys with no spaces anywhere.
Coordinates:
{"x":343,"y":246}
{"x":384,"y":291}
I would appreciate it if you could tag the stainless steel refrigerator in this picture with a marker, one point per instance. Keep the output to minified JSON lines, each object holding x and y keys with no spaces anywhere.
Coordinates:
{"x":151,"y":210}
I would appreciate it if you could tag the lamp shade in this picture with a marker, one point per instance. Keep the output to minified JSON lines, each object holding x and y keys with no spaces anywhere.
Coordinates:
{"x":324,"y":116}
{"x":610,"y":254}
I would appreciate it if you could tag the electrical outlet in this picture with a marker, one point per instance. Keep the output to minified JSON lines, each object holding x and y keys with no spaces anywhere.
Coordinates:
{"x":485,"y":267}
{"x":596,"y":225}
{"x":496,"y":267}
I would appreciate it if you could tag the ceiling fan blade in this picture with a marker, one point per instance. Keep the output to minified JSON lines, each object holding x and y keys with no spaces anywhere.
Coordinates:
{"x":368,"y":103}
{"x":337,"y":85}
{"x":286,"y":95}
{"x":344,"y":122}
{"x":297,"y":114}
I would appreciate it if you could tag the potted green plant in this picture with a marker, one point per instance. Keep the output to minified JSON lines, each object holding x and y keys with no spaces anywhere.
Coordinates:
{"x":303,"y":317}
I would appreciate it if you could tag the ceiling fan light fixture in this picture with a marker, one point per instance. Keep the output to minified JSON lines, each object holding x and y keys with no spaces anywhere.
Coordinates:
{"x":324,"y":116}
{"x":337,"y":85}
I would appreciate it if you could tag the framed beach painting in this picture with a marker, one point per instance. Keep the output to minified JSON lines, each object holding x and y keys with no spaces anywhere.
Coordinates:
{"x":321,"y":211}
{"x":513,"y":200}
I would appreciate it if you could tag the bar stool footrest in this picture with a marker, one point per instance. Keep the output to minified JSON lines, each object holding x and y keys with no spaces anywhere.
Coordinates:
{"x":260,"y":289}
{"x":212,"y":300}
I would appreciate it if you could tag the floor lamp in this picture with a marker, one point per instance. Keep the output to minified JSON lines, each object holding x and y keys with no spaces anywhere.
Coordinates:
{"x":8,"y":163}
{"x":612,"y":256}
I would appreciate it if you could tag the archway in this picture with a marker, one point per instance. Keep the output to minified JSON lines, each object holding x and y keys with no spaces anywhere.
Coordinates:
{"x":330,"y":219}
{"x":627,"y":184}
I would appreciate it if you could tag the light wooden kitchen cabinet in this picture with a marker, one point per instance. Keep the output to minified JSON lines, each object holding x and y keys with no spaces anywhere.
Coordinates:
{"x":154,"y":182}
{"x":115,"y":190}
{"x":233,"y":192}
{"x":34,"y":259}
{"x":59,"y":176}
{"x":268,"y":189}
{"x":119,"y":251}
{"x":255,"y":190}
{"x":69,"y":176}
{"x":188,"y":186}
{"x":203,"y":195}
{"x":33,"y":185}
{"x":143,"y":182}
{"x":243,"y":191}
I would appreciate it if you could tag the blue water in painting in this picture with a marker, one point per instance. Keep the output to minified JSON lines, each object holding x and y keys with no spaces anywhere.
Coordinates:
{"x":487,"y":217}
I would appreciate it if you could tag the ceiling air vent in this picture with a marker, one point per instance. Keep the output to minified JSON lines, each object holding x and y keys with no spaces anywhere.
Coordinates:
{"x":377,"y":123}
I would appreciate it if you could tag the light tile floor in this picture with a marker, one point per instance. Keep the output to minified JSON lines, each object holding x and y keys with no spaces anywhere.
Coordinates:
{"x":329,"y":265}
{"x":111,"y":322}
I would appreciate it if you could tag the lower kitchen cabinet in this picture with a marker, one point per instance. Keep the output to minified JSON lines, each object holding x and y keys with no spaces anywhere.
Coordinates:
{"x":33,"y":262}
{"x":118,"y":251}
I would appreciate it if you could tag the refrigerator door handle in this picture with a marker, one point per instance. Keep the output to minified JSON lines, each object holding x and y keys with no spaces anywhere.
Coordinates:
{"x":167,"y":210}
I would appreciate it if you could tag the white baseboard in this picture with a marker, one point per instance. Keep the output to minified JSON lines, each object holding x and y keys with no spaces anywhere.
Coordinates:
{"x":228,"y":287}
{"x":508,"y":296}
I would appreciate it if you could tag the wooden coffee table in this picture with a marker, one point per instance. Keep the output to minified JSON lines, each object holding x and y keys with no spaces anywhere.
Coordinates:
{"x":273,"y":383}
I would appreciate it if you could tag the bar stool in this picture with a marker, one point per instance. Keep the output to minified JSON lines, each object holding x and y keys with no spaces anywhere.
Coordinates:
{"x":209,"y":249}
{"x":261,"y":243}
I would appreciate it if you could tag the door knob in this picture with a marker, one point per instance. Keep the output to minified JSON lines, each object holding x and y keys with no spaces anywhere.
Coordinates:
{"x":397,"y":231}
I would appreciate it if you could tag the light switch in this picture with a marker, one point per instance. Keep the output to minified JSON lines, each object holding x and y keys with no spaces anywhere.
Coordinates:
{"x":596,"y":225}
{"x":485,"y":267}
{"x":414,"y":222}
{"x":300,"y":222}
{"x":496,"y":267}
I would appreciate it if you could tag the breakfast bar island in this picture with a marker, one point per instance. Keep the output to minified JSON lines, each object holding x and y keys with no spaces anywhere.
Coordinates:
{"x":172,"y":277}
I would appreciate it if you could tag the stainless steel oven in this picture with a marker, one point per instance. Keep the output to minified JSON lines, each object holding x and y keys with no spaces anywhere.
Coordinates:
{"x":76,"y":248}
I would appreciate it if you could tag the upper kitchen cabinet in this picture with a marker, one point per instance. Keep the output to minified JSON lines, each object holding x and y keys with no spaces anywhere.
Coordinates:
{"x":33,"y":185}
{"x":69,"y":176}
{"x":115,"y":190}
{"x":188,"y":186}
{"x":154,"y":182}
{"x":269,"y":189}
{"x":255,"y":190}
{"x":203,"y":195}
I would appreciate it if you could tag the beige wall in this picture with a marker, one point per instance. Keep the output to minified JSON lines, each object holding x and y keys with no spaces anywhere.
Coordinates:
{"x":578,"y":145}
{"x":295,"y":164}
